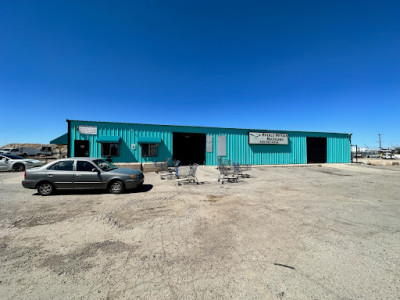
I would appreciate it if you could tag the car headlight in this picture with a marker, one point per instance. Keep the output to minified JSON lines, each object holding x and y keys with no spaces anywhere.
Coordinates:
{"x":132,"y":176}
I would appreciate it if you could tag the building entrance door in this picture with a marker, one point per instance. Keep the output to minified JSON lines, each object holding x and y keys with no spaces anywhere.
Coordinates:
{"x":81,"y":148}
{"x":189,"y":148}
{"x":316,"y":150}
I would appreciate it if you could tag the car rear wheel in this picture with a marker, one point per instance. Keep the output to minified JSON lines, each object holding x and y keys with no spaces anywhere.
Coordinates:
{"x":45,"y":188}
{"x":116,"y":187}
{"x":19,"y":167}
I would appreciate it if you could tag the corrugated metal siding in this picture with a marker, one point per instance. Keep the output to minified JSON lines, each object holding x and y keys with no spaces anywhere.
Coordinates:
{"x":238,"y":149}
{"x":338,"y":150}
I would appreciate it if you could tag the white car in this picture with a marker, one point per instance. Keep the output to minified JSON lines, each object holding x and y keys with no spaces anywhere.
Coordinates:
{"x":9,"y":162}
{"x":388,"y":156}
{"x":5,"y":150}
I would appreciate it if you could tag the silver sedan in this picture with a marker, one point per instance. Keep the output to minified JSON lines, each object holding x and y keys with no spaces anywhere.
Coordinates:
{"x":9,"y":162}
{"x":81,"y":173}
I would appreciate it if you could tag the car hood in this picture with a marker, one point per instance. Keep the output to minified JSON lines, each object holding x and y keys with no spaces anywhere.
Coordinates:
{"x":125,"y":171}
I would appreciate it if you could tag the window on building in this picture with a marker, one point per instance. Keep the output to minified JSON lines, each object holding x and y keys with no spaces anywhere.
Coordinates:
{"x":149,"y":150}
{"x":84,"y":166}
{"x":109,"y":149}
{"x":65,"y":165}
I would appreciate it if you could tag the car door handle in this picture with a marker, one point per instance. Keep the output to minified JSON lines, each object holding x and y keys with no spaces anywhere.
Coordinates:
{"x":50,"y":175}
{"x":78,"y":175}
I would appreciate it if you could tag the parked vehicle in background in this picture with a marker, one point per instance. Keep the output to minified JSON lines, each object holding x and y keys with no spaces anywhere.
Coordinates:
{"x":24,"y":151}
{"x":388,"y":156}
{"x":5,"y":150}
{"x":46,"y":151}
{"x":9,"y":162}
{"x":81,"y":173}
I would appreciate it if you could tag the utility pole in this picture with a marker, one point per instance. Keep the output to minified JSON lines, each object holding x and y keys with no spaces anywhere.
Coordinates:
{"x":380,"y":145}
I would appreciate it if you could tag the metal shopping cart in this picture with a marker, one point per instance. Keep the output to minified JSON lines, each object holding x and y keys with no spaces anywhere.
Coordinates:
{"x":242,"y":170}
{"x":187,"y":174}
{"x":227,"y":173}
{"x":172,"y":172}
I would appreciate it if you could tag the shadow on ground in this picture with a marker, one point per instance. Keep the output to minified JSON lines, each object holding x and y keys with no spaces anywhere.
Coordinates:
{"x":143,"y":189}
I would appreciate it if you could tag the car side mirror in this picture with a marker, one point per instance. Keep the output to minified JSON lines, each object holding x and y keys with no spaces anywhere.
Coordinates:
{"x":95,"y":170}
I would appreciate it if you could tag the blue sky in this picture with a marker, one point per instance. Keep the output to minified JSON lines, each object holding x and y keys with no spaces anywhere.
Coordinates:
{"x":291,"y":65}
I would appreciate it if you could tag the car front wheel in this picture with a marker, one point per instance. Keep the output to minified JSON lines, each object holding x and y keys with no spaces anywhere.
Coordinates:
{"x":45,"y":189}
{"x":116,"y":187}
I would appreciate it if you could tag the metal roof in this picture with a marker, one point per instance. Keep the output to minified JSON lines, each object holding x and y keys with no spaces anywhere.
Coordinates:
{"x":61,"y":140}
{"x":191,"y":126}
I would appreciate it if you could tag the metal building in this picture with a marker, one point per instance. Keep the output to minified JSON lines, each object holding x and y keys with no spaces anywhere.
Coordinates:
{"x":131,"y":142}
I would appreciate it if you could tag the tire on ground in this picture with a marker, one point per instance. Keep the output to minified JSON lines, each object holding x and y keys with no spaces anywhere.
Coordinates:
{"x":45,"y":188}
{"x":116,"y":187}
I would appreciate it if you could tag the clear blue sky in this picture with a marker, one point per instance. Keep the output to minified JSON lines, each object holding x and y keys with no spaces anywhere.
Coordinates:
{"x":290,"y":65}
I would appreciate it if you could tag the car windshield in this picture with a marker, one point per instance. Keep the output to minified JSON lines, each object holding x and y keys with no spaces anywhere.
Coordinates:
{"x":5,"y":149}
{"x":104,"y":165}
{"x":13,"y":156}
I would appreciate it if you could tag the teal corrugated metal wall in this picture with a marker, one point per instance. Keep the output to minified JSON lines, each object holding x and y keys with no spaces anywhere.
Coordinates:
{"x":338,"y":150}
{"x":238,"y":149}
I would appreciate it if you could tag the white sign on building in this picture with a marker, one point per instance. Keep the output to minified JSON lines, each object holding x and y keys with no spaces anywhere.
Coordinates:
{"x":268,"y":138}
{"x":88,"y":129}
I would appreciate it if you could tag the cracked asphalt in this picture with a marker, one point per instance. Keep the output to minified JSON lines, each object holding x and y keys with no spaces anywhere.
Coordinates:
{"x":288,"y":232}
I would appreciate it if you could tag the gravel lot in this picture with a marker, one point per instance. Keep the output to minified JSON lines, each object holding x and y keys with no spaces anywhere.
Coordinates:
{"x":289,"y":232}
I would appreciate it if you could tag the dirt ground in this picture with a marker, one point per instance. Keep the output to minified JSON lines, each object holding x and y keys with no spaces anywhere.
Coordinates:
{"x":288,"y":232}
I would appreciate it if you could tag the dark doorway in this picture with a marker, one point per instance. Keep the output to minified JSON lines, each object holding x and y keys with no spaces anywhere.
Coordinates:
{"x":189,"y":148}
{"x":81,"y":148}
{"x":316,"y":150}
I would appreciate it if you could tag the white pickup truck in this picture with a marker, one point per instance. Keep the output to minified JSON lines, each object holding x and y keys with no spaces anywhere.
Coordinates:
{"x":23,"y":151}
{"x":46,"y":151}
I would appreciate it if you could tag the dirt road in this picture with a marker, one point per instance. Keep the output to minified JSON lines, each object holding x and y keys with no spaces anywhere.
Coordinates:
{"x":309,"y":232}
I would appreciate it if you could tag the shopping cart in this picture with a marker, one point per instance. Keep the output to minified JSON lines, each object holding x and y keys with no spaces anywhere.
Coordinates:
{"x":187,"y":174}
{"x":242,"y":170}
{"x":163,"y":165}
{"x":172,"y":172}
{"x":223,"y":161}
{"x":227,"y":173}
